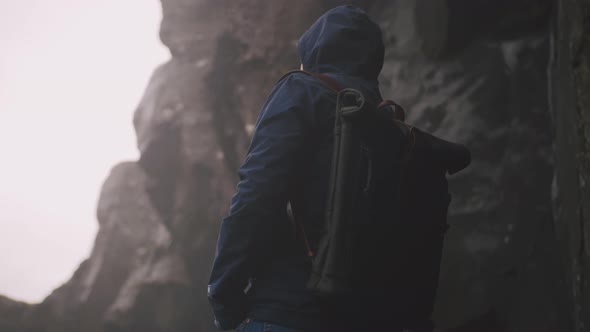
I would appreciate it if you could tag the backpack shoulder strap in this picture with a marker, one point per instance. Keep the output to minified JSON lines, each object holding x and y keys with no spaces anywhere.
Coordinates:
{"x":398,"y":111}
{"x":327,"y":80}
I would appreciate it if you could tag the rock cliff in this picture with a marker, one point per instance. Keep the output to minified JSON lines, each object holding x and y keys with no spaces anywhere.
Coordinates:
{"x":508,"y":78}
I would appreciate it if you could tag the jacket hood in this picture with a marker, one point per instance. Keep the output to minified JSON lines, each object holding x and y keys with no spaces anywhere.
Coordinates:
{"x":345,"y":41}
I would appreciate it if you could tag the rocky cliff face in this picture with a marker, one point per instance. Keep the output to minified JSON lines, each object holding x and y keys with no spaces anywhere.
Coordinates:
{"x":570,"y":104}
{"x":486,"y":88}
{"x":473,"y":71}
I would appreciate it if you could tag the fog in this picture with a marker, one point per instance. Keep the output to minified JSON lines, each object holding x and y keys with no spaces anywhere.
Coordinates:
{"x":71,"y":74}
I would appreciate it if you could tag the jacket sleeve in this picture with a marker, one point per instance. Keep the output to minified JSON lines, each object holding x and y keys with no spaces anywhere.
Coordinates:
{"x":257,"y":221}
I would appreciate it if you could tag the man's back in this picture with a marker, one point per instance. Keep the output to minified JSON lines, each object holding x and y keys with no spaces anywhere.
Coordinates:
{"x":289,"y":161}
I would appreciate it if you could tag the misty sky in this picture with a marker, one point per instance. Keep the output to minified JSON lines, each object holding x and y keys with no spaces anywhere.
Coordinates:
{"x":71,"y":75}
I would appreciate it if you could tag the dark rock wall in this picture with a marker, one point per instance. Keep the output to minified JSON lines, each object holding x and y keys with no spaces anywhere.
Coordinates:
{"x":570,"y":105}
{"x":14,"y":316}
{"x":474,"y":71}
{"x":487,"y":89}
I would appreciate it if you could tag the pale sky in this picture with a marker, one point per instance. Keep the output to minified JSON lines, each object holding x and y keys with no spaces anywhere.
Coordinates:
{"x":71,"y":75}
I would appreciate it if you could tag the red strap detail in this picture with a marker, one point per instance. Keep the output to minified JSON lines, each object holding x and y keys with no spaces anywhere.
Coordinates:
{"x":387,"y":103}
{"x":327,"y":80}
{"x":296,"y":223}
{"x":398,"y":112}
{"x":309,"y":252}
{"x":330,"y":82}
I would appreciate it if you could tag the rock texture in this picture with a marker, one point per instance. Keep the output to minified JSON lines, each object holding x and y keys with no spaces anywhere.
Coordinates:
{"x":475,"y":71}
{"x":486,"y":88}
{"x":570,"y":104}
{"x":14,"y":316}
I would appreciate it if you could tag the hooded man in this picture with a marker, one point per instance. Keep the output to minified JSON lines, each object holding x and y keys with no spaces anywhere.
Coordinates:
{"x":258,"y":280}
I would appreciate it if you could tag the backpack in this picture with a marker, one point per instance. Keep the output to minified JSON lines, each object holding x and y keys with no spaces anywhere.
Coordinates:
{"x":386,"y":211}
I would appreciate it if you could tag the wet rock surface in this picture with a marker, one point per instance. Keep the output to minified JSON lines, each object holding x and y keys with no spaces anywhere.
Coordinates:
{"x":509,"y":79}
{"x":486,"y":91}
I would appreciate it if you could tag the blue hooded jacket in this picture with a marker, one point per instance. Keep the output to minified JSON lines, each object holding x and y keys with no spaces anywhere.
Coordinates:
{"x":260,"y":268}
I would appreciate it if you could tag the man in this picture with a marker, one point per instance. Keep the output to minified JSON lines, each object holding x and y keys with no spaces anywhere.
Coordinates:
{"x":259,"y":275}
